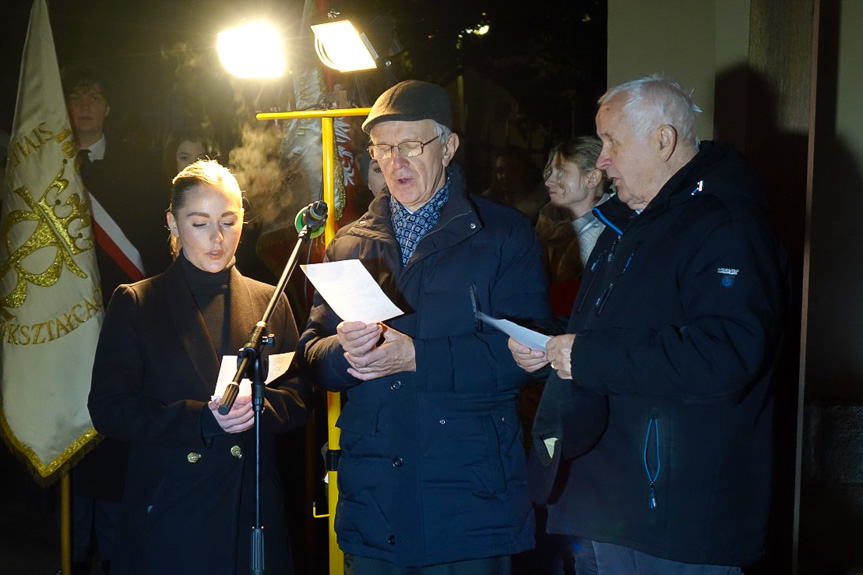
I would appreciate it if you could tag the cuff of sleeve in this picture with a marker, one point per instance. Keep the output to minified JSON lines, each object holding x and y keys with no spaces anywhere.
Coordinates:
{"x":209,"y":426}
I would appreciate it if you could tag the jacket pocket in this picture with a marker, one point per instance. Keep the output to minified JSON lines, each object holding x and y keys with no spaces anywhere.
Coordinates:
{"x":359,"y":426}
{"x":467,"y":449}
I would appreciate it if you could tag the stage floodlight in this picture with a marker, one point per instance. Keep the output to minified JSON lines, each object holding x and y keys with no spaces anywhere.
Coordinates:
{"x":254,"y":50}
{"x":341,"y":47}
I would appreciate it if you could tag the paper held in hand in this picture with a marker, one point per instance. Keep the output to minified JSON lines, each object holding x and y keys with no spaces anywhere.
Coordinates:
{"x":524,"y":336}
{"x":350,"y":290}
{"x":278,"y":364}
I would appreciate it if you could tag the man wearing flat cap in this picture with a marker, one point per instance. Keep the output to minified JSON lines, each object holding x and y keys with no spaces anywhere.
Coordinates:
{"x":431,"y":473}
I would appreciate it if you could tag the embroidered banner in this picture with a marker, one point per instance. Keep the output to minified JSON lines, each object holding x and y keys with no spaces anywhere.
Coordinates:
{"x":50,"y":301}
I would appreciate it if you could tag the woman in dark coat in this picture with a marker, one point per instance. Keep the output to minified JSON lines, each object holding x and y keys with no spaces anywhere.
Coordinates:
{"x":190,"y":497}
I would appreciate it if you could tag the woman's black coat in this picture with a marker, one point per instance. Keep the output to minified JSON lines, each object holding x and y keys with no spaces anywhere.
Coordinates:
{"x":189,"y":500}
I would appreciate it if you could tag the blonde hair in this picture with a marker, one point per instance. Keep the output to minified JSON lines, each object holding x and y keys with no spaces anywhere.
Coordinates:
{"x":201,"y":173}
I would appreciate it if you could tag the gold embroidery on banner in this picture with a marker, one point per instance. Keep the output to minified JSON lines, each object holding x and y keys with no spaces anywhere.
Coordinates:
{"x":47,"y":331}
{"x":61,"y":223}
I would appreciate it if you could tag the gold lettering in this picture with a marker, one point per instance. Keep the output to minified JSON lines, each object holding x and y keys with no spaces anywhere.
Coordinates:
{"x":24,"y":330}
{"x":12,"y":334}
{"x":20,"y":149}
{"x":47,"y":331}
{"x":16,"y":159}
{"x":76,"y":316}
{"x":36,"y":339}
{"x":92,"y":309}
{"x":62,"y":329}
{"x":43,"y":131}
{"x":30,"y":144}
{"x":68,"y":319}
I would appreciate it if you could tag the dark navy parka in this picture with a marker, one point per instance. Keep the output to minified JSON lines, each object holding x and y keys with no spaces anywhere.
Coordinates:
{"x":432,"y":467}
{"x":678,"y":324}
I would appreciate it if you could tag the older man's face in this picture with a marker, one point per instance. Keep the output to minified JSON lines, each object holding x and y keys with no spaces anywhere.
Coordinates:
{"x":632,"y":161}
{"x":413,"y":181}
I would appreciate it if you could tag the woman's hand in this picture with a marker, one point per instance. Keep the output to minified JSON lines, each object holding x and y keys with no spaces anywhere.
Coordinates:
{"x":239,"y":419}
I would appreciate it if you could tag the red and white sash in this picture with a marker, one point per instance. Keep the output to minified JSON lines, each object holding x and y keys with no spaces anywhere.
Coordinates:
{"x":112,"y":239}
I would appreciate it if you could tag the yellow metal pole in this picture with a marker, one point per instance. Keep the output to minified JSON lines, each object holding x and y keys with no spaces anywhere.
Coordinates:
{"x":328,"y":140}
{"x":334,"y":404}
{"x":66,"y":522}
{"x":334,"y":113}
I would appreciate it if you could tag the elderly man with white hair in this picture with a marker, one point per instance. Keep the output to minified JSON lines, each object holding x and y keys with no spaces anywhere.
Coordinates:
{"x":654,"y":436}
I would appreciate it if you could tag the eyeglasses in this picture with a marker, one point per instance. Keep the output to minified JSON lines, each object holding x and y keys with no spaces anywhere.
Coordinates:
{"x":406,"y":149}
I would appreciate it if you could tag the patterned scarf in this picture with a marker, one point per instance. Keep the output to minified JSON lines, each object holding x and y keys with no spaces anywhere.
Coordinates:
{"x":410,"y":227}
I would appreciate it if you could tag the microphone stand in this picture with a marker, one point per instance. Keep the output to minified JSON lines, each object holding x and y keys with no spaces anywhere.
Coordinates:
{"x":249,"y":365}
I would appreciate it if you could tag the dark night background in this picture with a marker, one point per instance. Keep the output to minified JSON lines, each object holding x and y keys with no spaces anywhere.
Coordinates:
{"x":548,"y":55}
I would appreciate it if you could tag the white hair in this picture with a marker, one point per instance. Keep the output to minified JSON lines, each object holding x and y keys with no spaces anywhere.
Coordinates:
{"x":443,"y":133}
{"x":654,"y":100}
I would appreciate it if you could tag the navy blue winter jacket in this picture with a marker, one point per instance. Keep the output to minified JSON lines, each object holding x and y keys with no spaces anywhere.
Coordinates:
{"x":678,"y":324}
{"x":432,"y":467}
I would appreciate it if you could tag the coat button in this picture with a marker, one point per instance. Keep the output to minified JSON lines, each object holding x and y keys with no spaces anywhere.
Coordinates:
{"x":473,"y":226}
{"x":391,"y":539}
{"x":398,"y":461}
{"x":193,"y":457}
{"x":237,"y":452}
{"x":396,"y":385}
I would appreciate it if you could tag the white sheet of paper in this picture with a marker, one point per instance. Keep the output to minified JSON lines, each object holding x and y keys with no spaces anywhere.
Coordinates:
{"x":351,"y":291}
{"x":528,"y":337}
{"x":278,"y":364}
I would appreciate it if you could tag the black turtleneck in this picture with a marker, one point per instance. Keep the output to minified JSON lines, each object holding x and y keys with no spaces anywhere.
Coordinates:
{"x":210,"y":291}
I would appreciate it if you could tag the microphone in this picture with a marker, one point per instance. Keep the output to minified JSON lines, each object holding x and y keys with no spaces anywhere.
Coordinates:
{"x":313,"y":217}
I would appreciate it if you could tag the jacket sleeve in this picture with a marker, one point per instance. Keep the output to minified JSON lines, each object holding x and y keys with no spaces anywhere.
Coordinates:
{"x":320,"y":351}
{"x":732,"y":324}
{"x":119,"y":403}
{"x":289,"y":397}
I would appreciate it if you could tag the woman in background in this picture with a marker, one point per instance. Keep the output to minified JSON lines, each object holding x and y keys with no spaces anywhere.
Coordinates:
{"x":190,"y":496}
{"x":183,"y":147}
{"x":566,"y":228}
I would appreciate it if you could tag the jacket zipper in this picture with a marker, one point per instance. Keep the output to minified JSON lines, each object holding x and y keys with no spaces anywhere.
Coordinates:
{"x":606,"y":294}
{"x":652,"y":476}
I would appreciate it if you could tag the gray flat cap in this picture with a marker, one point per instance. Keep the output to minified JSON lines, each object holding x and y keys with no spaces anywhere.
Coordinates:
{"x":411,"y":101}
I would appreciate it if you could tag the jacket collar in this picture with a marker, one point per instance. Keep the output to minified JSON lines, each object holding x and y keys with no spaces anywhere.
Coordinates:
{"x":716,"y":169}
{"x":458,"y":219}
{"x":192,"y":329}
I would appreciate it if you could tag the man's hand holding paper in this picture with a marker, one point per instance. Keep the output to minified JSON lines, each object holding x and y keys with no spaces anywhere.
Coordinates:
{"x":371,"y":358}
{"x":526,"y":358}
{"x":357,"y":298}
